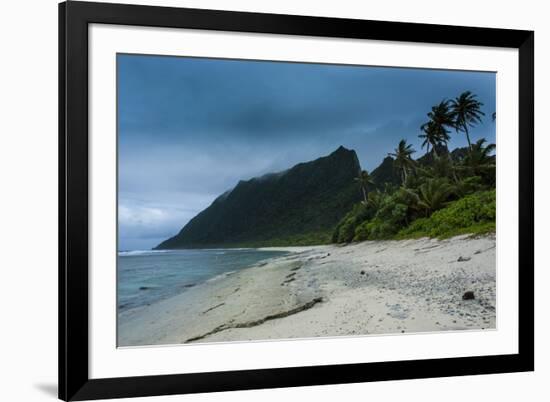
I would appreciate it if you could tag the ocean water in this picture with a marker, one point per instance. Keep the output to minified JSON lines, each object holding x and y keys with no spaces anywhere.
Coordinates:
{"x":147,"y":276}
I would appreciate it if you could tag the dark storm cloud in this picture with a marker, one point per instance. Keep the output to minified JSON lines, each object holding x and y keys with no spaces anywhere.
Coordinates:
{"x":189,"y":129}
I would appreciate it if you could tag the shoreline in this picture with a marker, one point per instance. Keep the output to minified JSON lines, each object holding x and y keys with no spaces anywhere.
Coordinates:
{"x":296,"y":249}
{"x":373,"y":287}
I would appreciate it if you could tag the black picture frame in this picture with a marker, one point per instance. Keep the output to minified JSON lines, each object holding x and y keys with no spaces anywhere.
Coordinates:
{"x":74,"y":381}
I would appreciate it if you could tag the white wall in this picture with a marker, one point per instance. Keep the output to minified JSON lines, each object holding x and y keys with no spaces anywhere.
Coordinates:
{"x":28,"y":198}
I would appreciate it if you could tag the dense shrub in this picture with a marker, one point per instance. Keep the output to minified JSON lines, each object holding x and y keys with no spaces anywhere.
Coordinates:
{"x":345,"y":230}
{"x":468,"y":185}
{"x":474,"y":213}
{"x":393,"y":211}
{"x":376,"y":229}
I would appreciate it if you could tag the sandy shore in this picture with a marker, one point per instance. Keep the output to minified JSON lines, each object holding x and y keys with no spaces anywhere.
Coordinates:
{"x":377,"y":287}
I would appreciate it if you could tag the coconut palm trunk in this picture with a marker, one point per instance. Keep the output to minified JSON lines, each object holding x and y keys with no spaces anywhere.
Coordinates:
{"x":466,"y":111}
{"x":436,"y":156}
{"x":364,"y":180}
{"x":468,"y":137}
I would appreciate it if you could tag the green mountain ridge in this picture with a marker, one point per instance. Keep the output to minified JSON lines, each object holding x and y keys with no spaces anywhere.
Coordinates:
{"x":300,"y":205}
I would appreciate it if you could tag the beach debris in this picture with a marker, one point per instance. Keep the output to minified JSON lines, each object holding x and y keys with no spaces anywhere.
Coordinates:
{"x":463,"y":259}
{"x":427,"y":247}
{"x":212,"y":308}
{"x":288,"y":281}
{"x":248,"y":324}
{"x":362,"y":272}
{"x":469,"y":295}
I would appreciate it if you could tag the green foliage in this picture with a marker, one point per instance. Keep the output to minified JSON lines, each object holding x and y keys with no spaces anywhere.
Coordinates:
{"x":435,"y":131}
{"x":403,"y":160}
{"x":345,"y":230}
{"x":365,"y":180}
{"x":442,"y":166}
{"x":474,"y":213}
{"x":434,"y":194}
{"x":374,"y":202}
{"x":395,"y":211}
{"x":468,"y":185}
{"x":480,"y":162}
{"x":466,"y":110}
{"x":375,"y":230}
{"x":441,"y":192}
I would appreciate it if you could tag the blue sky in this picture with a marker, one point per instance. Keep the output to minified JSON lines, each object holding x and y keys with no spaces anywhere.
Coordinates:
{"x":190,"y":128}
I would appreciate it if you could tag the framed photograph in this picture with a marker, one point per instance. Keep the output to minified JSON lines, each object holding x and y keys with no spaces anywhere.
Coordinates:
{"x":258,"y":201}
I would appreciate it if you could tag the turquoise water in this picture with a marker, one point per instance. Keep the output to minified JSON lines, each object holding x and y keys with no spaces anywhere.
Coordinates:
{"x":145,"y":277}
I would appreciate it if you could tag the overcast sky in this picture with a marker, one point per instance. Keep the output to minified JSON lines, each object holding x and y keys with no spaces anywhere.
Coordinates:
{"x":191,"y":128}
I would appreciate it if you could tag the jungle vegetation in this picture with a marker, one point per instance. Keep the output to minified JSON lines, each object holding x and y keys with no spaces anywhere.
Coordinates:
{"x":439,"y":194}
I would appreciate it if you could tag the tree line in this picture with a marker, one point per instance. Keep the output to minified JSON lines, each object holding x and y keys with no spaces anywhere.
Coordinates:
{"x":431,"y":182}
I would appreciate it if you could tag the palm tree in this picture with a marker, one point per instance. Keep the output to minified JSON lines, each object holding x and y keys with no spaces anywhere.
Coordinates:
{"x":467,"y":186}
{"x":365,"y":180}
{"x":435,"y":129}
{"x":375,"y":199}
{"x":403,"y":158}
{"x":440,"y":167}
{"x":442,"y":117}
{"x":466,"y":110}
{"x":433,"y":136}
{"x":428,"y":135}
{"x":409,"y":198}
{"x":480,"y":160}
{"x":434,"y":194}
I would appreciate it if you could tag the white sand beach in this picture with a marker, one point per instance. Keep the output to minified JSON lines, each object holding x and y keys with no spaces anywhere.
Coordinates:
{"x":373,"y":287}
